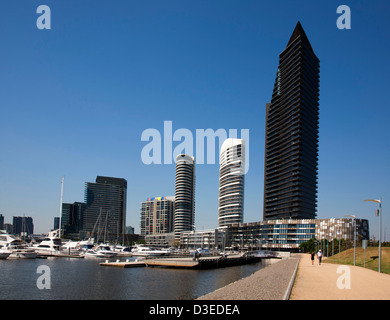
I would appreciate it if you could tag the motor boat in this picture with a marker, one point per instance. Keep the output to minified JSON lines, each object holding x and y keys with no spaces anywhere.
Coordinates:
{"x":146,"y":251}
{"x":16,"y":247}
{"x":121,"y":250}
{"x":49,"y":246}
{"x":71,"y":247}
{"x":100,"y":251}
{"x":92,"y":254}
{"x":106,"y":251}
{"x":4,"y":254}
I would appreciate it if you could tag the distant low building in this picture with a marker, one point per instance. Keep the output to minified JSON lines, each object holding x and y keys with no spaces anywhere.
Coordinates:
{"x":129,"y":230}
{"x":160,"y":239}
{"x":212,"y":239}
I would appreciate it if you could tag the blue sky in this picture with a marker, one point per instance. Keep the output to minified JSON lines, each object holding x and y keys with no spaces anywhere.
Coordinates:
{"x":75,"y":99}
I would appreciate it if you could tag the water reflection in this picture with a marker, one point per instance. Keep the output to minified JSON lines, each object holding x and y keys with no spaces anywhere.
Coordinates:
{"x":85,"y":279}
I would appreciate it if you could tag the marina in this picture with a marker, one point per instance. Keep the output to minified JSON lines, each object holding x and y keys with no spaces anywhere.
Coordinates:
{"x":80,"y":279}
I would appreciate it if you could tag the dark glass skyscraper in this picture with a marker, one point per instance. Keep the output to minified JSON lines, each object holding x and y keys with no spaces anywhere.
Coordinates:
{"x":105,"y":210}
{"x":72,"y":217}
{"x":291,"y":145}
{"x":23,"y":225}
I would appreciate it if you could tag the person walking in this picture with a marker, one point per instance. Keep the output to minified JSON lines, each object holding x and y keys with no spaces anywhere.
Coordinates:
{"x":313,"y":254}
{"x":319,"y":255}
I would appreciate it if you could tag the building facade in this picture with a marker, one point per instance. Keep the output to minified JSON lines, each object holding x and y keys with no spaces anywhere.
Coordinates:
{"x":22,"y":226}
{"x":105,"y":210}
{"x":184,"y":219}
{"x":291,"y":143}
{"x":231,"y":182}
{"x":1,"y":222}
{"x":212,"y":239}
{"x":72,"y":217}
{"x":157,"y":215}
{"x":160,"y":239}
{"x":288,"y":234}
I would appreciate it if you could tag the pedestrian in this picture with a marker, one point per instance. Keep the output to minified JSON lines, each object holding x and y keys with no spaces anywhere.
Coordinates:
{"x":319,"y":255}
{"x":313,"y":254}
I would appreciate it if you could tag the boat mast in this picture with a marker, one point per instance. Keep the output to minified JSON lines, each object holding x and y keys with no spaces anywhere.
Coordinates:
{"x":62,"y":191}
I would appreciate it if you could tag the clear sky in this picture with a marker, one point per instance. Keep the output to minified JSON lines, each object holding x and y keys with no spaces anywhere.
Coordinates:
{"x":75,"y":99}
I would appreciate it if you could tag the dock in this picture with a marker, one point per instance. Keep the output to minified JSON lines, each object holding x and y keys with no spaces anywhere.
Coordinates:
{"x":123,"y":264}
{"x":172,"y":262}
{"x":58,"y":255}
{"x":188,"y":262}
{"x":206,"y":262}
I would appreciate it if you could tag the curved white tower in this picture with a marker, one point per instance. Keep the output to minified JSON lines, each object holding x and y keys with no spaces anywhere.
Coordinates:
{"x":231,"y":182}
{"x":184,"y":194}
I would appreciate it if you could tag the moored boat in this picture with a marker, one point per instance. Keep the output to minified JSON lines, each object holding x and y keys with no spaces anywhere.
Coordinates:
{"x":17,"y":248}
{"x":4,"y":254}
{"x":147,"y":251}
{"x":49,"y":246}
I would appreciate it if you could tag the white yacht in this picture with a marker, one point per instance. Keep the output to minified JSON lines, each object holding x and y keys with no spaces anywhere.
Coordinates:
{"x":16,"y":248}
{"x":4,"y":254}
{"x":49,"y":245}
{"x":100,"y":251}
{"x":121,"y":250}
{"x":92,"y":254}
{"x":106,"y":251}
{"x":146,"y":251}
{"x":70,"y":247}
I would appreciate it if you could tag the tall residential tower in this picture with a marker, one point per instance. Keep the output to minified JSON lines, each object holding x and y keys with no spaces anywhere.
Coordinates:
{"x":291,"y":145}
{"x":157,"y":215}
{"x":231,"y":182}
{"x":184,"y":194}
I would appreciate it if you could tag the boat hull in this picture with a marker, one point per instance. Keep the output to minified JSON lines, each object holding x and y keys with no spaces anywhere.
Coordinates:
{"x":4,"y":255}
{"x":23,"y":255}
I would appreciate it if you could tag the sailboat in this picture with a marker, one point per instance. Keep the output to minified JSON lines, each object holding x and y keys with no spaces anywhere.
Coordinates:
{"x":102,"y":250}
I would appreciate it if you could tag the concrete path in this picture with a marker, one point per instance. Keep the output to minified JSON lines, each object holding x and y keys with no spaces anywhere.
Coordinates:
{"x":338,"y":282}
{"x":270,"y":283}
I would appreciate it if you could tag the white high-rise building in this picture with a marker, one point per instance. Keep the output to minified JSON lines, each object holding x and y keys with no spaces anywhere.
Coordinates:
{"x":184,"y":194}
{"x":231,"y":182}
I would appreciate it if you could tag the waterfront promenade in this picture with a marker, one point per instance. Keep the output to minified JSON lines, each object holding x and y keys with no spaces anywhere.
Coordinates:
{"x":270,"y":283}
{"x":296,"y":278}
{"x":323,"y":282}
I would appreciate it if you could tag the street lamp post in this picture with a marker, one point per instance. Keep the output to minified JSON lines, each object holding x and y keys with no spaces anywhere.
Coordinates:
{"x":354,"y":237}
{"x":380,"y":228}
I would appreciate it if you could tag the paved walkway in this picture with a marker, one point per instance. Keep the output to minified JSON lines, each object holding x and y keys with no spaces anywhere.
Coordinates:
{"x":323,"y":282}
{"x":270,"y":283}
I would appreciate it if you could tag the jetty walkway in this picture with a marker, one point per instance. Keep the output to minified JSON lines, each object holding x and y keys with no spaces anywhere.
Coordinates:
{"x":188,"y":262}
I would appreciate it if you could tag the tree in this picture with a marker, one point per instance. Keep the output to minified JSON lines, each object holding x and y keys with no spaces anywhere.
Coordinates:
{"x":308,"y":246}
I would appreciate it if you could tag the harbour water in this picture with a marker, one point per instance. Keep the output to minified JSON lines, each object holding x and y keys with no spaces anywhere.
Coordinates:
{"x":82,"y":279}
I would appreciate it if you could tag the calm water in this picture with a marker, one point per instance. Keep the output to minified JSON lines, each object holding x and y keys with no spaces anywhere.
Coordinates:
{"x":86,"y":279}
